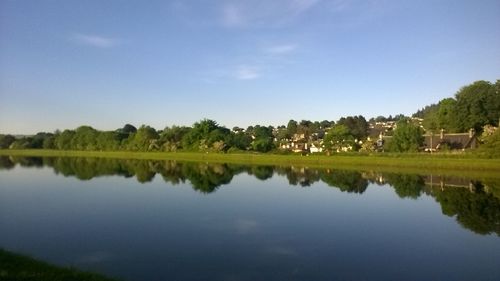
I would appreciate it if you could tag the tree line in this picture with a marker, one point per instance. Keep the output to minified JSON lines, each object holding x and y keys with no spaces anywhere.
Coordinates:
{"x":205,"y":135}
{"x":474,"y":106}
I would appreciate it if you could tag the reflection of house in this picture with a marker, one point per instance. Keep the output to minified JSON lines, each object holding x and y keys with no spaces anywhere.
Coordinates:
{"x":450,"y":141}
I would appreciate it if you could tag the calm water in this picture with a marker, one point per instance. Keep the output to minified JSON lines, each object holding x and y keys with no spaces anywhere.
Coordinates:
{"x":162,"y":220}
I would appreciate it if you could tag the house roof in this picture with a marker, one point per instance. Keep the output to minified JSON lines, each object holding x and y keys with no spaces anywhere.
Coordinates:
{"x":455,"y":141}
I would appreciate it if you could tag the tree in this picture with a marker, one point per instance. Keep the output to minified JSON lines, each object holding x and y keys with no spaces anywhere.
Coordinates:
{"x":63,"y":140}
{"x":325,"y":124}
{"x":357,"y":125}
{"x":144,"y":139}
{"x":6,"y":141}
{"x":408,"y":137}
{"x":337,"y":138}
{"x":85,"y":138}
{"x":171,"y":138}
{"x":446,"y":115}
{"x":263,"y":141}
{"x":491,"y":146}
{"x":239,"y":140}
{"x":204,"y":134}
{"x":291,"y":127}
{"x":478,"y":104}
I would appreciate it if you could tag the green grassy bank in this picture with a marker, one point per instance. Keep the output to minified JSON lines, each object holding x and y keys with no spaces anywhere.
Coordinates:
{"x":382,"y":162}
{"x":14,"y":267}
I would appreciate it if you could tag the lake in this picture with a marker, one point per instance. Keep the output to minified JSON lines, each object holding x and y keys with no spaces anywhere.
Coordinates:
{"x":168,"y":220}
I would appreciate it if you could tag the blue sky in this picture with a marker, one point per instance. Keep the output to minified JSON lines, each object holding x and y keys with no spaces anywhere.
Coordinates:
{"x":107,"y":63}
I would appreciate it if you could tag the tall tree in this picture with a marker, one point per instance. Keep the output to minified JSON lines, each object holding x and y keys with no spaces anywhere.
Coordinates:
{"x":144,"y":139}
{"x":408,"y":137}
{"x":357,"y":126}
{"x":6,"y":141}
{"x":477,"y":105}
{"x":292,"y":127}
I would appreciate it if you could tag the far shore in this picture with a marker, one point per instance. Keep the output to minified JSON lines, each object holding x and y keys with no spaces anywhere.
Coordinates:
{"x":446,"y":164}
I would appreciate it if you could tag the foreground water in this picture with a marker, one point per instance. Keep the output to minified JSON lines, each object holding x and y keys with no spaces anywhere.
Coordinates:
{"x":163,"y":220}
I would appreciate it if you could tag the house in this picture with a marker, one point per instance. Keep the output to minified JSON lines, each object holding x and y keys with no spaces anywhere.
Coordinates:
{"x":315,"y":149}
{"x":450,"y":141}
{"x":300,"y":147}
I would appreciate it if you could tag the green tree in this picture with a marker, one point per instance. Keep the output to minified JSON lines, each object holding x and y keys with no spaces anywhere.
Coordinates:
{"x":171,"y":138}
{"x":6,"y":141}
{"x":145,"y":139}
{"x":85,"y":138}
{"x":204,"y":134}
{"x":64,"y":139}
{"x":263,"y":139}
{"x":108,"y":140}
{"x":478,"y":104}
{"x":491,"y":146}
{"x":357,"y":125}
{"x":239,"y":140}
{"x":337,"y":137}
{"x":408,"y":137}
{"x":292,"y":127}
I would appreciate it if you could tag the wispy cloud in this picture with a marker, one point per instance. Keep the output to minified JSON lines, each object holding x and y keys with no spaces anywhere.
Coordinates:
{"x":280,"y":49}
{"x":95,"y":40}
{"x":299,"y":6}
{"x":246,"y":72}
{"x":263,"y":13}
{"x":232,"y":16}
{"x":341,"y":5}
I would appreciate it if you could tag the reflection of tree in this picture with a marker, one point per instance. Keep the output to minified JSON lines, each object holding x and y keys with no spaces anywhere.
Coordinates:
{"x":299,"y":175}
{"x":206,"y":178}
{"x":29,"y":161}
{"x":6,"y":163}
{"x":144,"y":170}
{"x":477,"y":211}
{"x":406,"y":186}
{"x":346,"y":181}
{"x":493,"y":187}
{"x":172,"y":172}
{"x":262,"y":172}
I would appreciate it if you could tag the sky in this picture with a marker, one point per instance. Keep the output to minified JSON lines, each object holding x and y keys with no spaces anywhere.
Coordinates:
{"x":108,"y":63}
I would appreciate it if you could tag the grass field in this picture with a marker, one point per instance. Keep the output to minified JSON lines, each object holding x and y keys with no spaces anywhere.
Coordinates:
{"x":15,"y":267}
{"x":421,"y":163}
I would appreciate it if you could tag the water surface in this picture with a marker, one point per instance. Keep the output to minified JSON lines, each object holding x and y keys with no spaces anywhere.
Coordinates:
{"x":167,"y":220}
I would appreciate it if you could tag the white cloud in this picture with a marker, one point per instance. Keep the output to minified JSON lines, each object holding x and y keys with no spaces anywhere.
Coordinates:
{"x":95,"y":40}
{"x":245,"y":72}
{"x":281,"y":49}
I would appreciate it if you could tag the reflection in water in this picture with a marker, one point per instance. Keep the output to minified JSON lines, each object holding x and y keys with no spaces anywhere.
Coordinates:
{"x":406,"y":186}
{"x":476,"y":205}
{"x":474,"y":209}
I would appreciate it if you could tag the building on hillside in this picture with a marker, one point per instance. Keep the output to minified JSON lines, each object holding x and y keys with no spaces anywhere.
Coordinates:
{"x":459,"y":141}
{"x":315,"y":149}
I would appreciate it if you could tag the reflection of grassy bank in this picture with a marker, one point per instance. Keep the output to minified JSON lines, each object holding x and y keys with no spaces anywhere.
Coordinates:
{"x":415,"y":163}
{"x":18,"y":267}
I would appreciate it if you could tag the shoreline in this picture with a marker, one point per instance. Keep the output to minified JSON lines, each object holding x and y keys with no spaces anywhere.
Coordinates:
{"x":411,"y":163}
